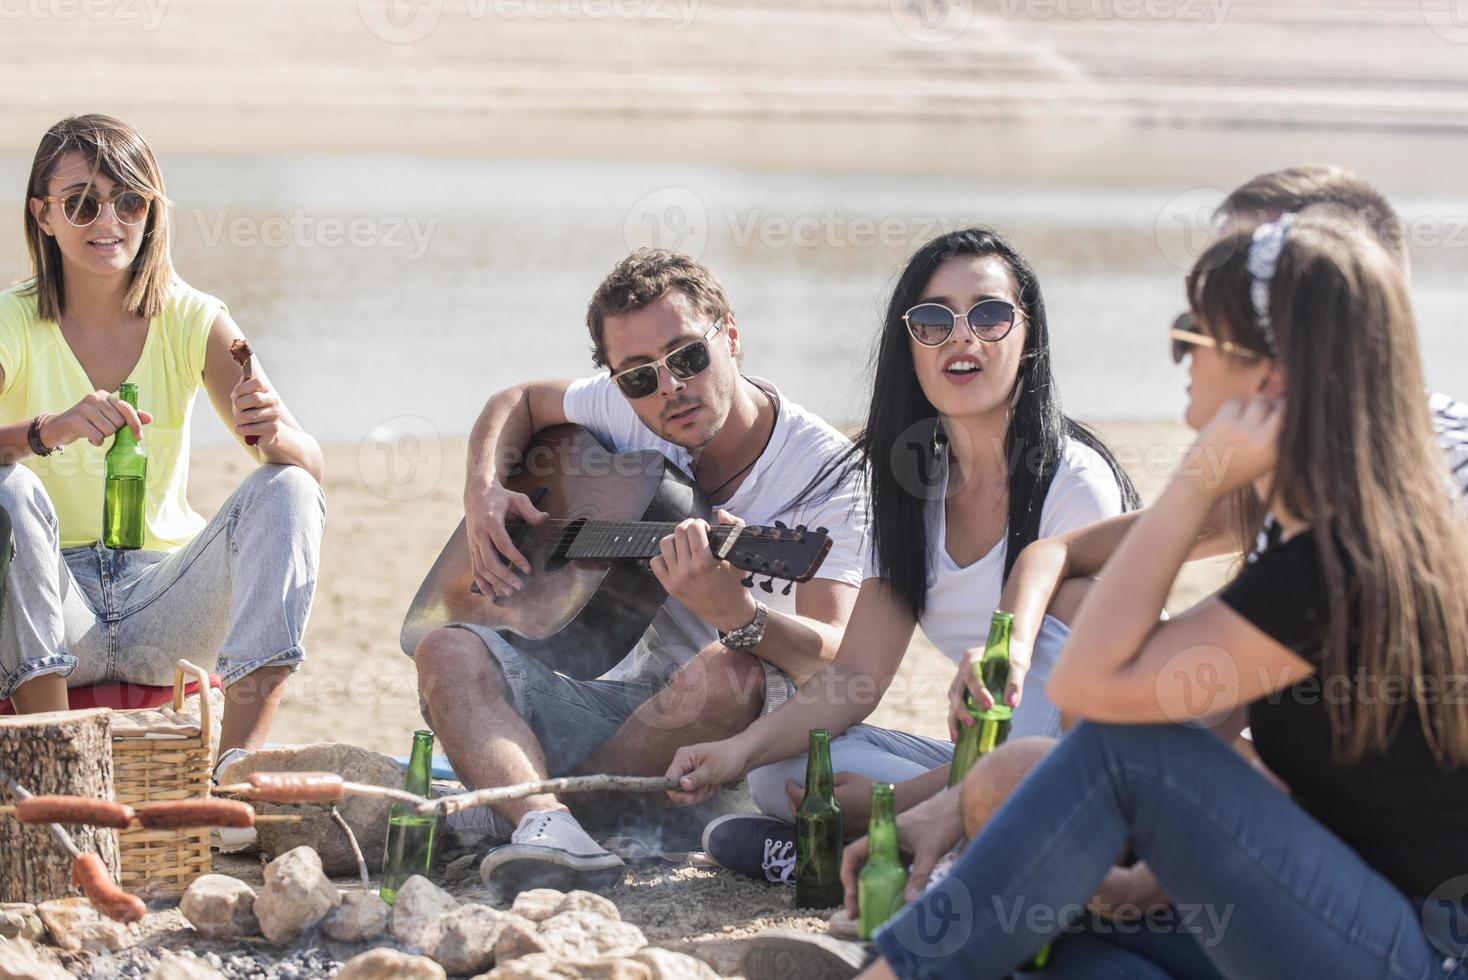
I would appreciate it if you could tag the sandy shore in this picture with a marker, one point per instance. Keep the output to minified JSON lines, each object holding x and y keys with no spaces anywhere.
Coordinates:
{"x":358,"y":687}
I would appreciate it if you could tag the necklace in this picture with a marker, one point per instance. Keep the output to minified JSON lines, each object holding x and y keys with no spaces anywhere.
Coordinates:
{"x":713,"y":494}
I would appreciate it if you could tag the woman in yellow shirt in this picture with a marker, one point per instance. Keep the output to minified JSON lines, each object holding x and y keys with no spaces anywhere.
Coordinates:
{"x":104,"y":307}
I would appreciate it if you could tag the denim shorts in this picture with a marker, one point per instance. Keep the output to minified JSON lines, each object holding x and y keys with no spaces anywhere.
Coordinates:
{"x":572,"y":718}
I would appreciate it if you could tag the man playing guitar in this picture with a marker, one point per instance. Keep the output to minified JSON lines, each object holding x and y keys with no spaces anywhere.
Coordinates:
{"x":662,"y":327}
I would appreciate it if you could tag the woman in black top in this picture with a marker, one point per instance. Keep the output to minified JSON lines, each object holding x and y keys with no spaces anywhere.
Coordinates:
{"x":1343,"y":643}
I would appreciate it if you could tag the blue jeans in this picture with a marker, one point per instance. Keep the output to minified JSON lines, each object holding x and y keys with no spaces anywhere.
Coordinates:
{"x":233,"y":600}
{"x":893,"y":757}
{"x":1259,"y":887}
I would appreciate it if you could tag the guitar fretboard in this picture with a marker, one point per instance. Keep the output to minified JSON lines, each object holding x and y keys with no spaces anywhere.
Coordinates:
{"x":602,"y":540}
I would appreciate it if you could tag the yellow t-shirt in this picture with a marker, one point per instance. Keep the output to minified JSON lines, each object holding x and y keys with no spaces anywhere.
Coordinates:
{"x":43,"y":375}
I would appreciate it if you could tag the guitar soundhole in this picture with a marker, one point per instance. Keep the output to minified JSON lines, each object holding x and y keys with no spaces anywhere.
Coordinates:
{"x":557,"y":559}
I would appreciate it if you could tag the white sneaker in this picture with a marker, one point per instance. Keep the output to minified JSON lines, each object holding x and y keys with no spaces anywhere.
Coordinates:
{"x":550,"y":850}
{"x":232,"y":840}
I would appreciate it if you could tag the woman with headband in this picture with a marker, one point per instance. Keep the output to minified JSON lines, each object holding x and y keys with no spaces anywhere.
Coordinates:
{"x":1340,"y":643}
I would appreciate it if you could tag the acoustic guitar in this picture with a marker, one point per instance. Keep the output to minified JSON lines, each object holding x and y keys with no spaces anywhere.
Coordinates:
{"x":590,"y":596}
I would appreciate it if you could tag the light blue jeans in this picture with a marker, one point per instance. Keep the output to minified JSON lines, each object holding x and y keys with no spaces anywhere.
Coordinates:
{"x":893,"y":757}
{"x":233,"y":600}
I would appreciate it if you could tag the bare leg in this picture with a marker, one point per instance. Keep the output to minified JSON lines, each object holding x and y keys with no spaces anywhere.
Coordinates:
{"x":717,"y":694}
{"x":486,"y":740}
{"x":250,"y":704}
{"x":44,"y":693}
{"x":991,"y":780}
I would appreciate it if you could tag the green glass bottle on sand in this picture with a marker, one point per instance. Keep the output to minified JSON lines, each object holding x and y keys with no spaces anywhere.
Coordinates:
{"x":991,"y":727}
{"x":124,"y":495}
{"x":883,"y":881}
{"x":409,"y":834}
{"x":818,"y":829}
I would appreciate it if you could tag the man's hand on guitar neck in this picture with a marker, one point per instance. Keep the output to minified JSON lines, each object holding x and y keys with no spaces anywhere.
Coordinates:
{"x":708,"y":586}
{"x":486,"y":509}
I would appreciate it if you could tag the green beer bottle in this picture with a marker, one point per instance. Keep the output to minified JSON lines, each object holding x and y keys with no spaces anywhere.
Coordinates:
{"x":881,"y":884}
{"x":990,"y":728}
{"x":818,"y":830}
{"x":124,"y":494}
{"x":409,"y":834}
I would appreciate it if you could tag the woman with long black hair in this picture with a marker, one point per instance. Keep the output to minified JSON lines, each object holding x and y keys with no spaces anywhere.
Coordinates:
{"x":967,"y":458}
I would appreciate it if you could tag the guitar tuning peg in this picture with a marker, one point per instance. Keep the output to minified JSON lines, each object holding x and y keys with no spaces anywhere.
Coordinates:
{"x":788,"y":587}
{"x":782,"y":525}
{"x":768,"y":585}
{"x":820,"y":530}
{"x":747,"y":581}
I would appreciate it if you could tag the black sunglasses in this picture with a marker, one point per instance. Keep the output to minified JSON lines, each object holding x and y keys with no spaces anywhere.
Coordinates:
{"x":1185,"y":335}
{"x":683,"y":363}
{"x":990,"y":320}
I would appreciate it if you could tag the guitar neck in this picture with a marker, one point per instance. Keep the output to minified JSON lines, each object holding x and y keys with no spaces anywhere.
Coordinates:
{"x":606,"y":540}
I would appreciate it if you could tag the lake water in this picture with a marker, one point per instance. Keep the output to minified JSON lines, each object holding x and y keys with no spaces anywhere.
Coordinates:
{"x":378,"y":289}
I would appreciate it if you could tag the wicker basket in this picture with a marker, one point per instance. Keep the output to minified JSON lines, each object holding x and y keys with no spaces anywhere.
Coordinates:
{"x":151,"y":763}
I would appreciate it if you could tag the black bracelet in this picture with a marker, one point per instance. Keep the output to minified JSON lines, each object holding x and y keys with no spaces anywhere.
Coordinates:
{"x":33,"y":436}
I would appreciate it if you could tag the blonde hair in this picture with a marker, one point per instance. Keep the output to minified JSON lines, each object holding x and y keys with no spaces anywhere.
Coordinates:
{"x":116,"y":150}
{"x":1359,"y":462}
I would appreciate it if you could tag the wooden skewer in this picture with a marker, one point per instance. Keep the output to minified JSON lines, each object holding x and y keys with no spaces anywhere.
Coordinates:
{"x":565,"y":784}
{"x":348,"y":789}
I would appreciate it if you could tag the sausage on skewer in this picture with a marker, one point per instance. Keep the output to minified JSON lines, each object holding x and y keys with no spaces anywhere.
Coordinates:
{"x":74,"y":810}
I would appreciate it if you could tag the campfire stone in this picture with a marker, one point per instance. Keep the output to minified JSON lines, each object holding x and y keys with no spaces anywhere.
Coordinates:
{"x":843,"y":926}
{"x":538,"y":904}
{"x":518,"y":937}
{"x":668,"y":965}
{"x":18,"y":920}
{"x":175,"y":967}
{"x":75,"y":925}
{"x":367,"y":818}
{"x":360,"y":916}
{"x":463,"y":941}
{"x":418,"y":905}
{"x":579,"y":901}
{"x":296,"y":896}
{"x":220,"y":907}
{"x":587,"y":936}
{"x":19,"y":960}
{"x":547,"y":966}
{"x":390,"y":964}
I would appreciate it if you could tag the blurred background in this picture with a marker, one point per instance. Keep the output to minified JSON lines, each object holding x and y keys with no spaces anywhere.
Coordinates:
{"x":407,"y":203}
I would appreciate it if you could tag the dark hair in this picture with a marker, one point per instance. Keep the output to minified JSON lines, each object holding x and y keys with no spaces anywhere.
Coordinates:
{"x":640,"y":280}
{"x":1297,"y":188}
{"x":894,"y":449}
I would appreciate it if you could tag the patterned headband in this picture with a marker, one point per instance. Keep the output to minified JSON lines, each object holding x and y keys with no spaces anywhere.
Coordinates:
{"x":1264,"y":251}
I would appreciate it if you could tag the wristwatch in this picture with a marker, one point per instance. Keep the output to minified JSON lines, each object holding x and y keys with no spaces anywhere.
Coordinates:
{"x":748,"y":637}
{"x":33,"y":437}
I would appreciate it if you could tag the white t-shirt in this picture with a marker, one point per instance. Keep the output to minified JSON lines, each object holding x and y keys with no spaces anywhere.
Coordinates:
{"x":961,"y":600}
{"x":801,"y":444}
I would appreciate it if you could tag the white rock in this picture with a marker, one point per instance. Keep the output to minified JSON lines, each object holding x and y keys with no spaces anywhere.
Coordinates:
{"x":843,"y":926}
{"x":588,"y":936}
{"x":538,"y":904}
{"x":220,"y":907}
{"x":296,"y":896}
{"x":18,"y":920}
{"x":546,"y":966}
{"x":668,"y":965}
{"x":518,"y":937}
{"x":579,"y":901}
{"x":418,"y":905}
{"x":175,"y":967}
{"x":75,"y":925}
{"x":366,"y":817}
{"x":390,"y":964}
{"x":19,"y":960}
{"x":360,"y":916}
{"x":463,"y":941}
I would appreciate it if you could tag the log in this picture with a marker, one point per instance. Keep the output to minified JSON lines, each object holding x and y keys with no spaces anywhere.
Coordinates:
{"x":68,"y":752}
